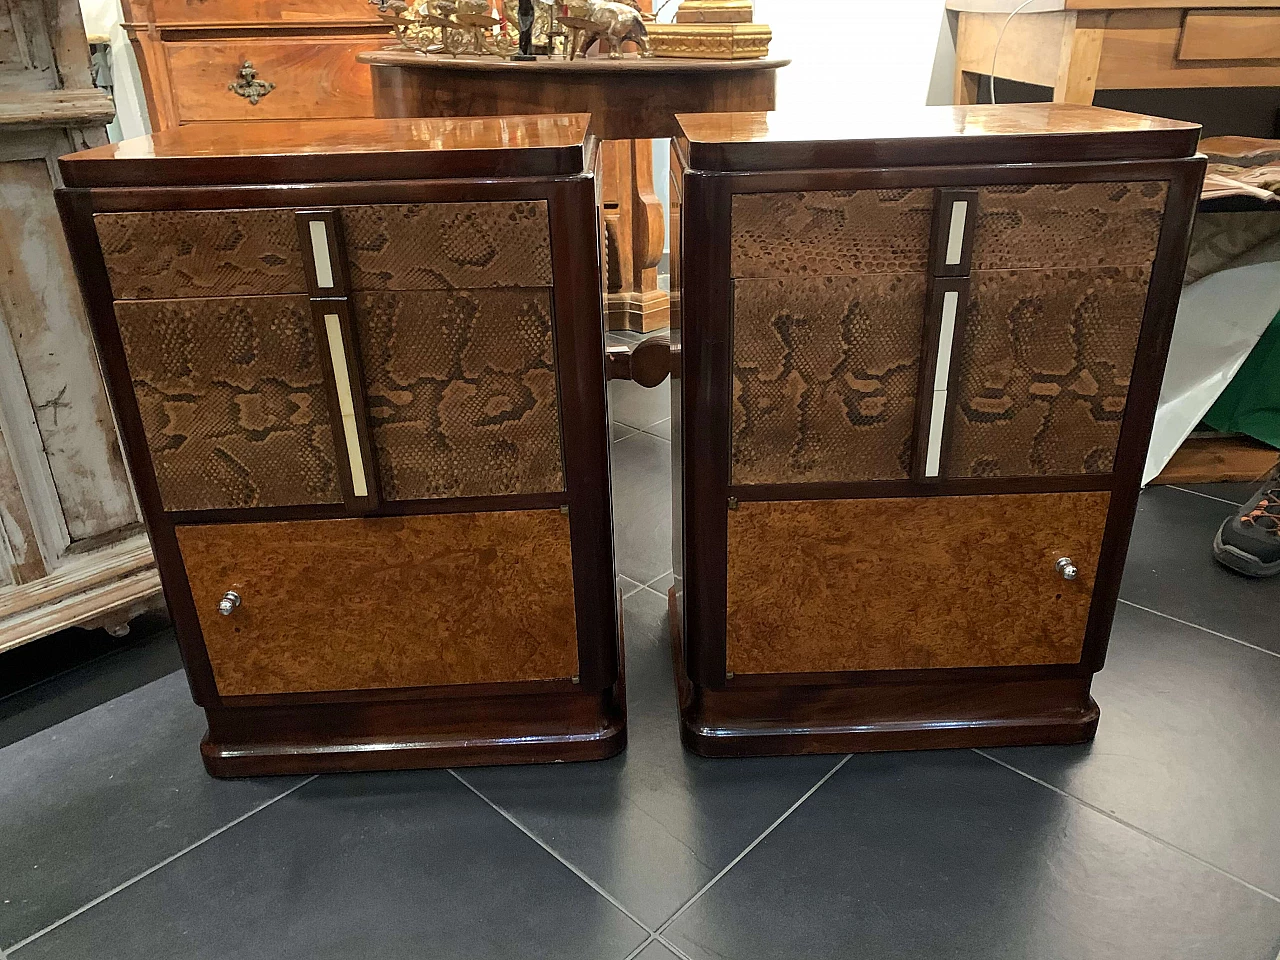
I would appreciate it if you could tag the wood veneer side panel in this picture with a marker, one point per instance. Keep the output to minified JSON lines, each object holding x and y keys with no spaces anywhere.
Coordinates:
{"x":577,"y":302}
{"x":1164,"y":290}
{"x":886,"y":584}
{"x":76,"y":207}
{"x":385,"y":602}
{"x":706,"y":348}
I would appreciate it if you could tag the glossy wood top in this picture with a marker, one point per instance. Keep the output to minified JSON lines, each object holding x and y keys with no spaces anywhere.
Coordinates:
{"x":632,"y":65}
{"x":291,"y":151}
{"x":982,"y":133}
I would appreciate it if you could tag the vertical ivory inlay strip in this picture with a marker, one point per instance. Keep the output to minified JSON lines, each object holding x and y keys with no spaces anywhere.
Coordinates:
{"x":950,"y":302}
{"x":955,"y":237}
{"x":933,"y":458}
{"x":320,"y":253}
{"x":346,"y":404}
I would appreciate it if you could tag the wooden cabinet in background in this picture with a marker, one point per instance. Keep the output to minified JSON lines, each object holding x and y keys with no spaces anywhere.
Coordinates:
{"x":253,"y":60}
{"x":72,"y":550}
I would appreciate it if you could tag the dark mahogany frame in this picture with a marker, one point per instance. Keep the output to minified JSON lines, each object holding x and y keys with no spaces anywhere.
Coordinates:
{"x":534,"y":721}
{"x":724,"y":715}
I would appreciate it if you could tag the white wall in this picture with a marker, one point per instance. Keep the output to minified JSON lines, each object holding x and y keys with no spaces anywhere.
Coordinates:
{"x":103,"y":16}
{"x":850,"y":54}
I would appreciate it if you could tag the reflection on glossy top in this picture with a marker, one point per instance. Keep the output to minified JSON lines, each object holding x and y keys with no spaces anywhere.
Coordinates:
{"x":275,"y":138}
{"x":1017,"y":119}
{"x":928,"y":136}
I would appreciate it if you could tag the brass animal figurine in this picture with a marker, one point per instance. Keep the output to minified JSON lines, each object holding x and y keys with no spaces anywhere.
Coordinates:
{"x":610,"y":22}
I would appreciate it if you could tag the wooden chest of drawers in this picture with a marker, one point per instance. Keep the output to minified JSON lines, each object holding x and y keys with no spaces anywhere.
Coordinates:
{"x":200,"y":61}
{"x":919,"y":361}
{"x":359,"y":372}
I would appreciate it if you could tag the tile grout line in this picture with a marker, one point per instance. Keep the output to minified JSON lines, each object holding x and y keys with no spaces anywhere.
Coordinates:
{"x":1196,"y":626}
{"x":1132,"y":826}
{"x":751,"y":846}
{"x":540,"y":842}
{"x":146,"y":873}
{"x":1197,"y":493}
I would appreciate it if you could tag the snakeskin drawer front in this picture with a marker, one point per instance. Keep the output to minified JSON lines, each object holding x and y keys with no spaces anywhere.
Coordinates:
{"x":165,"y":254}
{"x":1043,"y":371}
{"x":825,"y":372}
{"x":447,"y":246}
{"x":1068,"y":225}
{"x":831,"y":232}
{"x":384,"y":602}
{"x":233,"y":402}
{"x":902,"y":584}
{"x":461,"y":388}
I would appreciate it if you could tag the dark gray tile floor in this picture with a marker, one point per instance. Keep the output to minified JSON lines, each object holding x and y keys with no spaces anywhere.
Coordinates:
{"x":1159,"y":840}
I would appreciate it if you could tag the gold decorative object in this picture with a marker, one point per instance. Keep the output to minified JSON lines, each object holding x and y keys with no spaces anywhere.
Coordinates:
{"x":714,"y":11}
{"x":611,"y":23}
{"x":710,"y":41}
{"x":249,"y":86}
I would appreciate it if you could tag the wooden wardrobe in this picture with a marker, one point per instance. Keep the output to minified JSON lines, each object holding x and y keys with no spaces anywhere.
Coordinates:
{"x":72,"y":548}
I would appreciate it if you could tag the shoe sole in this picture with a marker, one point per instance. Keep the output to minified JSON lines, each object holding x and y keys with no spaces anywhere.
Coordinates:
{"x":1241,"y":562}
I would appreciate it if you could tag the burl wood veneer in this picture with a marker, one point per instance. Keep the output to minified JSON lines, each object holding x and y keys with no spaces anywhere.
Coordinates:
{"x":919,"y":358}
{"x":818,"y":585}
{"x":385,"y":602}
{"x":359,"y":375}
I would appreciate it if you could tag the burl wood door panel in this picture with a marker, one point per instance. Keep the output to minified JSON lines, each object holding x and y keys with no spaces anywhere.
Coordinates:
{"x":1043,"y":371}
{"x":1048,"y":225}
{"x":822,"y":232}
{"x":386,"y":602}
{"x":314,"y":77}
{"x":825,"y":374}
{"x":461,"y":390}
{"x":446,"y":246}
{"x":900,"y":584}
{"x":166,"y":254}
{"x":233,"y":403}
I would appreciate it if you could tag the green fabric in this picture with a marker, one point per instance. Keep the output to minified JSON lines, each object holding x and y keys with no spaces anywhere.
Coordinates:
{"x":1251,"y":402}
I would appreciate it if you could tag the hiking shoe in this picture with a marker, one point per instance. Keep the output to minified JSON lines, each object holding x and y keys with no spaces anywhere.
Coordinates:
{"x":1249,"y":542}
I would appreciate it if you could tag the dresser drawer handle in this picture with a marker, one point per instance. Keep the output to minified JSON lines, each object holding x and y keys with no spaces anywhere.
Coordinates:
{"x":227,"y":605}
{"x":249,"y":86}
{"x":1067,"y":568}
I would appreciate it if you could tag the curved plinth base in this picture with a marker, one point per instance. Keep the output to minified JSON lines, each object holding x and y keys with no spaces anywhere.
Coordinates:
{"x":784,"y":719}
{"x":442,"y":732}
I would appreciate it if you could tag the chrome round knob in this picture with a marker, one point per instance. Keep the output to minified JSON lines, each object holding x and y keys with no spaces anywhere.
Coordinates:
{"x":227,"y":605}
{"x":1067,"y":568}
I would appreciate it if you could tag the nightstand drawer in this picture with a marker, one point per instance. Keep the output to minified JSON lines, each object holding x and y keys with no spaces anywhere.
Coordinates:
{"x":831,"y":232}
{"x":232,"y":397}
{"x":165,"y":254}
{"x":388,"y":602}
{"x":1051,"y":225}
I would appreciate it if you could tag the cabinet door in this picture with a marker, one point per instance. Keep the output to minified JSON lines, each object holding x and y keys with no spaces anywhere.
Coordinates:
{"x":233,"y":401}
{"x":385,"y":602}
{"x":1057,"y":294}
{"x":828,"y":311}
{"x":901,"y":584}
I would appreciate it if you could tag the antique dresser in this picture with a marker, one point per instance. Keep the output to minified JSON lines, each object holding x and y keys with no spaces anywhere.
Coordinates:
{"x":359,"y":373}
{"x":919,"y":358}
{"x":209,"y":60}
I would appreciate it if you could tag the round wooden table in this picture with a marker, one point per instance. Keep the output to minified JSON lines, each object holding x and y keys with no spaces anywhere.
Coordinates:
{"x":632,"y":99}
